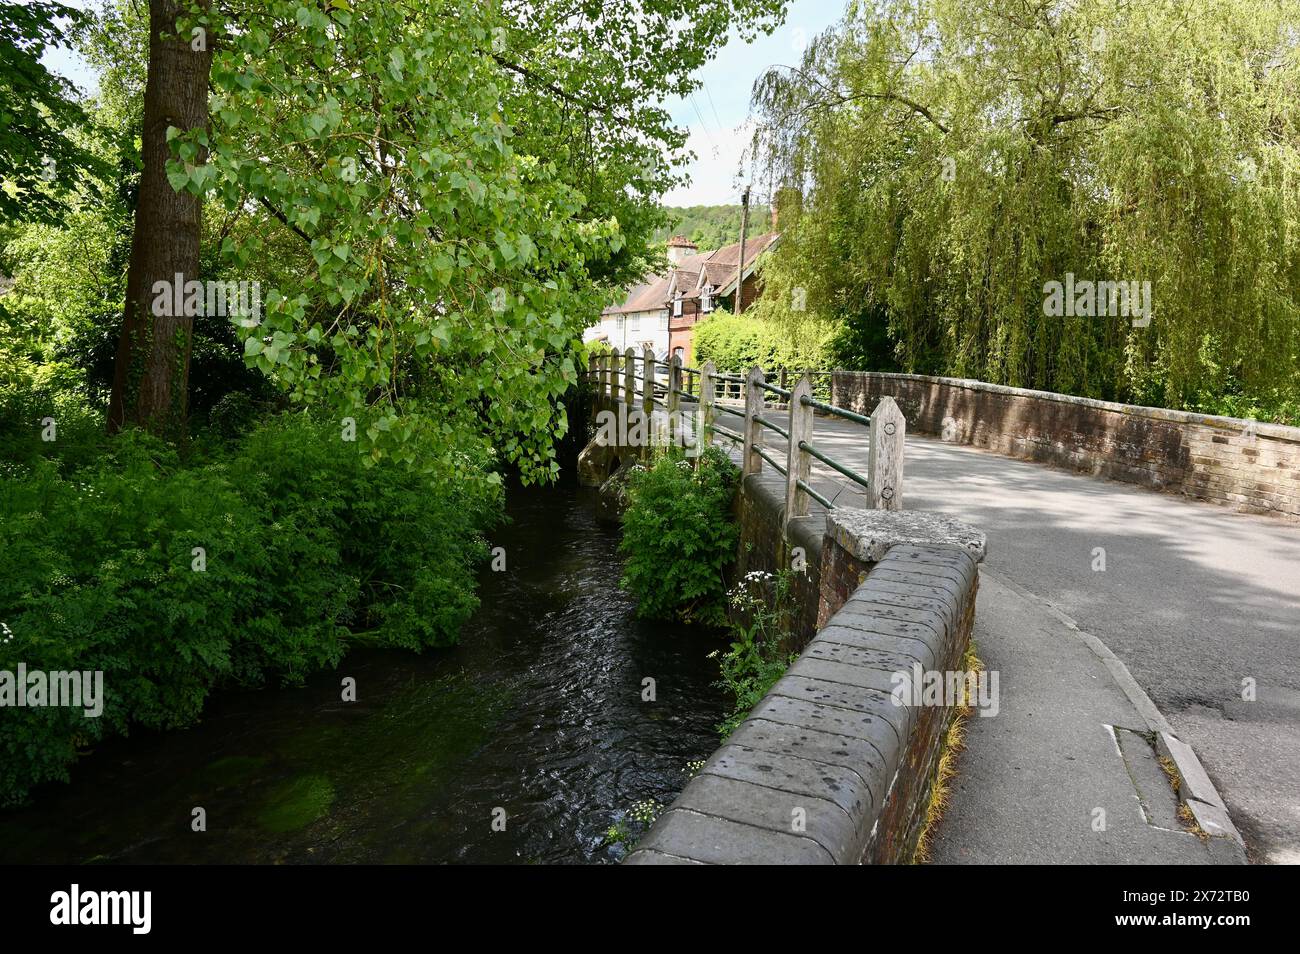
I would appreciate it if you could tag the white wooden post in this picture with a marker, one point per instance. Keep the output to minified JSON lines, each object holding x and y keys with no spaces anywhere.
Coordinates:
{"x":798,"y":463}
{"x":648,"y":386}
{"x":885,"y":462}
{"x":751,"y":462}
{"x":707,"y":399}
{"x":629,"y":379}
{"x":674,"y":396}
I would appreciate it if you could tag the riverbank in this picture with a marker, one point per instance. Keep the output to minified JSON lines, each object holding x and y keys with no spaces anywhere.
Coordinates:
{"x":538,"y":711}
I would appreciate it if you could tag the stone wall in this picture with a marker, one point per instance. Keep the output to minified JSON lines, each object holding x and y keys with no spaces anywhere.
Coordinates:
{"x":763,"y":547}
{"x":1250,"y":466}
{"x":830,"y":767}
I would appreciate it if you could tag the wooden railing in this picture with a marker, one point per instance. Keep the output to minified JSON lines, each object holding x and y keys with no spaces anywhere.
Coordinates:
{"x":616,"y":375}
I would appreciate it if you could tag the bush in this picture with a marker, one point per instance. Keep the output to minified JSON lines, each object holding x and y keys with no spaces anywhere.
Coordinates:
{"x":174,"y":579}
{"x":757,"y":656}
{"x":738,"y":342}
{"x":679,"y":536}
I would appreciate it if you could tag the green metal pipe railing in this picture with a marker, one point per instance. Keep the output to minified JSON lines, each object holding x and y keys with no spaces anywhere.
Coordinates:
{"x":806,"y":488}
{"x":773,"y":426}
{"x":720,"y":380}
{"x":776,"y":465}
{"x":836,"y":411}
{"x":848,"y":472}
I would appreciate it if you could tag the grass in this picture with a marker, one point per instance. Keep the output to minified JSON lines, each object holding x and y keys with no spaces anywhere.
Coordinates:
{"x":950,"y":749}
{"x":1185,"y":815}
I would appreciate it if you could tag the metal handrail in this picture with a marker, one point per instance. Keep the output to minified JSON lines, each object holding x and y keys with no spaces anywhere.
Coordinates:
{"x":848,"y":472}
{"x":776,"y":465}
{"x":773,"y":425}
{"x":807,"y":488}
{"x":836,"y":411}
{"x":722,"y":391}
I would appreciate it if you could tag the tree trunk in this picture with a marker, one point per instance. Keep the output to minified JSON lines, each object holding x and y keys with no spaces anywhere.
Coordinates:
{"x":151,"y":374}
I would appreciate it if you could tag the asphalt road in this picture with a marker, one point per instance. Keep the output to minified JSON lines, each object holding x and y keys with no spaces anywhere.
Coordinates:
{"x":1199,"y":602}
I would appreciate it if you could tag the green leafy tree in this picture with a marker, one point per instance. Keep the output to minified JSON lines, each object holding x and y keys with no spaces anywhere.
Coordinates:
{"x":454,"y":189}
{"x":42,"y":123}
{"x":713,"y":226}
{"x":957,"y":156}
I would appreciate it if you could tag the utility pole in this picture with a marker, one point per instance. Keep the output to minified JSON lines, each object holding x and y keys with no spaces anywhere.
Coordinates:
{"x":740,"y":267}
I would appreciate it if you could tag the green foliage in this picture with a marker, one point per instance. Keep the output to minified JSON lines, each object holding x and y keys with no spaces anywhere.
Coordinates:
{"x":738,"y":342}
{"x":628,"y":830}
{"x":756,"y":658}
{"x":1112,"y":140}
{"x":42,"y":152}
{"x":456,"y":188}
{"x":1276,"y":406}
{"x":302,"y":545}
{"x":679,"y":535}
{"x":712,"y":226}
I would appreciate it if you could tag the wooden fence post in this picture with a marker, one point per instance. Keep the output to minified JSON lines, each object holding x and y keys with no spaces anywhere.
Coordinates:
{"x":798,"y":464}
{"x":752,"y":463}
{"x":629,"y":378}
{"x":885,"y":460}
{"x":674,"y":396}
{"x":707,"y":400}
{"x":648,"y":387}
{"x":615,"y":379}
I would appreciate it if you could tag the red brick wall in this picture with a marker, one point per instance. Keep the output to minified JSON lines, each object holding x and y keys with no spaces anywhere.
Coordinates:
{"x":1249,"y":466}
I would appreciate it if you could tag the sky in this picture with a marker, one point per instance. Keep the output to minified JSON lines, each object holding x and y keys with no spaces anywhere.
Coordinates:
{"x":715,"y":116}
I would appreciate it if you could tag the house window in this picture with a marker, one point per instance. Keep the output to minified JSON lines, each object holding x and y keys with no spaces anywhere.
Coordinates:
{"x":677,"y":306}
{"x":706,"y":299}
{"x":663,"y":321}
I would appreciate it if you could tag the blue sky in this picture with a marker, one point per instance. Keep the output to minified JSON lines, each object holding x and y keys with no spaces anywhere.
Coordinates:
{"x":720,"y":109}
{"x":715,"y":116}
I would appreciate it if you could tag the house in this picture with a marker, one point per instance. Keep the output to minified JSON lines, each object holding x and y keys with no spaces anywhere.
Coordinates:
{"x":661,"y":311}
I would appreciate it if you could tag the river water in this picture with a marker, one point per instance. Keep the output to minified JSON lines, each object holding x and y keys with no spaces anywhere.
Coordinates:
{"x":536,"y":718}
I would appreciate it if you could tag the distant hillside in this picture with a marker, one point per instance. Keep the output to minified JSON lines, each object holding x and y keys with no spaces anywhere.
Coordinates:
{"x":712,"y":226}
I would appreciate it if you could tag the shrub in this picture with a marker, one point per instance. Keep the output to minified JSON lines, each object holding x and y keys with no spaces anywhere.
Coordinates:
{"x":679,"y":536}
{"x":738,"y":342}
{"x":301,"y":545}
{"x":756,"y":658}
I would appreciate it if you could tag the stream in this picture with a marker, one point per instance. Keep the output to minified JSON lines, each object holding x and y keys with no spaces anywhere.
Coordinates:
{"x":536,"y":717}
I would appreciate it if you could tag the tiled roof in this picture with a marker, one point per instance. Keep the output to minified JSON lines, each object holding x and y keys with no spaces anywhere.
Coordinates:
{"x":716,"y":268}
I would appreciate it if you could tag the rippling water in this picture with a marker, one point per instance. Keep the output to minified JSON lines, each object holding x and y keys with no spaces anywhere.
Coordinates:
{"x":537,"y":712}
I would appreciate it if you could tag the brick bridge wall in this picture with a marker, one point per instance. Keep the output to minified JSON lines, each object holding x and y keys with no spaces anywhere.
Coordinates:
{"x":1250,"y":466}
{"x":829,"y":768}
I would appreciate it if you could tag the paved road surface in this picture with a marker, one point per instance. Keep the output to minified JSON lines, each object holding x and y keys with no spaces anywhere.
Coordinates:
{"x":1194,"y":599}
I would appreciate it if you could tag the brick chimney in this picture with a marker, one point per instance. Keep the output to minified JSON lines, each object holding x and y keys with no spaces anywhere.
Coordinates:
{"x":788,"y":198}
{"x":679,"y":248}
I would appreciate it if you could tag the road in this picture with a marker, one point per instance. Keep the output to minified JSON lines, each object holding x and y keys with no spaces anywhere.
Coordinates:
{"x":1197,"y":601}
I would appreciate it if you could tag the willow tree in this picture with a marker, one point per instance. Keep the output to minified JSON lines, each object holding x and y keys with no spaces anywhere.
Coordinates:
{"x":958,"y":155}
